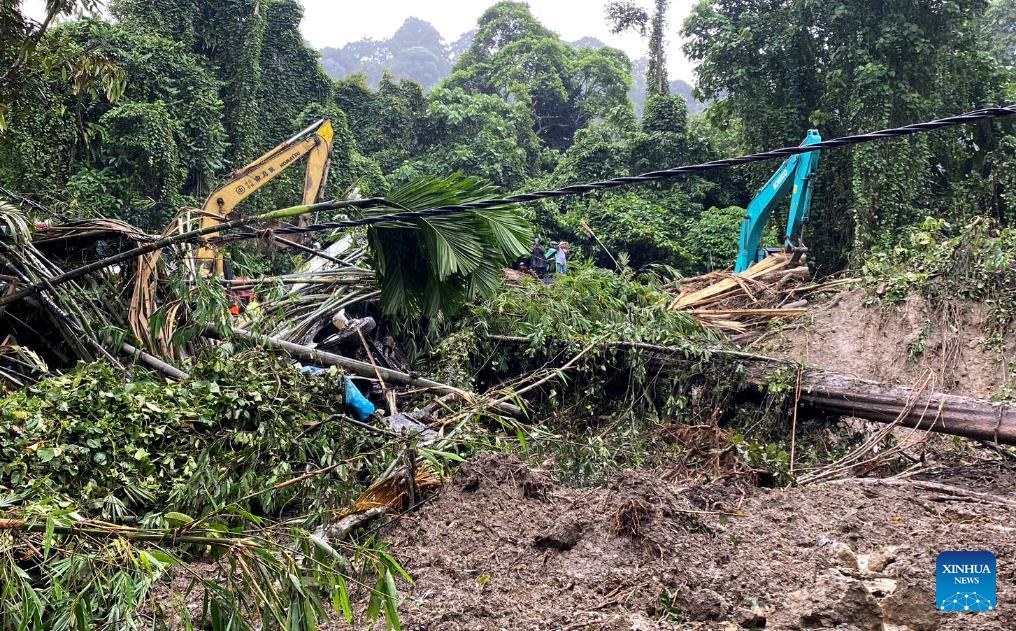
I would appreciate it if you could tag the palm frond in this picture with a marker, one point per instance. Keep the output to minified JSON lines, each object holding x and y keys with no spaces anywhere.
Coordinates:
{"x":432,"y":266}
{"x":14,"y":224}
{"x":455,"y":250}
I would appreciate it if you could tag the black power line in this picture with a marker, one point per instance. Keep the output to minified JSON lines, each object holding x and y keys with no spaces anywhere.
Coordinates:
{"x":577,"y":189}
{"x":652,"y":176}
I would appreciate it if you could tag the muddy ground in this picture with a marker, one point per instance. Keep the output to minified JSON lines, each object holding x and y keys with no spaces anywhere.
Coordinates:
{"x":504,"y":547}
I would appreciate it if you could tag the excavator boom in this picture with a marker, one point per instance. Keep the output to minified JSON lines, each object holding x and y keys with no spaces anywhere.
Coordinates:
{"x":314,"y":142}
{"x":794,"y":177}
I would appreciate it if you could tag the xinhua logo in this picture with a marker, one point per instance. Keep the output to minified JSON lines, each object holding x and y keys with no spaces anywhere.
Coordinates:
{"x":965,"y":581}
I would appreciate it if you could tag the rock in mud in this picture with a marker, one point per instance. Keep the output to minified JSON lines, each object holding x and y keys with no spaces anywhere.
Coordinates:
{"x":562,"y":535}
{"x":879,"y":559}
{"x":749,"y":618}
{"x":909,"y":606}
{"x":705,"y":604}
{"x":842,"y":554}
{"x":833,"y":602}
{"x":534,"y":483}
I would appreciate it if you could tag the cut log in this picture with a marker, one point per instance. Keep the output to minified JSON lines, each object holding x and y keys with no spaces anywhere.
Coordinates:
{"x":884,"y":403}
{"x":781,"y":312}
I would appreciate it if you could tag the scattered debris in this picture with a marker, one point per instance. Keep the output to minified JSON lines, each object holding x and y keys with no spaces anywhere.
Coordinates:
{"x":735,"y":303}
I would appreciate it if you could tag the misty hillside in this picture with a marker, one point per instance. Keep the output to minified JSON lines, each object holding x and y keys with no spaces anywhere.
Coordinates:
{"x":417,"y":51}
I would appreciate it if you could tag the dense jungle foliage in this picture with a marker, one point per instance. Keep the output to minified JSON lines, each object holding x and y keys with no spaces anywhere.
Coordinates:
{"x":138,"y":111}
{"x":137,"y":115}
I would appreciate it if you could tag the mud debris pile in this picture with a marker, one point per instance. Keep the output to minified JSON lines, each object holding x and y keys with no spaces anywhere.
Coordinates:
{"x":504,"y":547}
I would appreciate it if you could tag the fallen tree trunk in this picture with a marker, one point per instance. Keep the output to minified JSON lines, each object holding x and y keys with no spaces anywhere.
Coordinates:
{"x":920,"y":409}
{"x":362,"y":369}
{"x":847,"y":396}
{"x":884,"y":403}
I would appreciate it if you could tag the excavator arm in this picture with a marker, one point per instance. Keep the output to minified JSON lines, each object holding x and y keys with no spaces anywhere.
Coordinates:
{"x":794,"y":177}
{"x":314,"y":142}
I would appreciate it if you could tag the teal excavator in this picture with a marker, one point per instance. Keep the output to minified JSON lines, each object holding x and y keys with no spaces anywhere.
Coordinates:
{"x":795,"y":178}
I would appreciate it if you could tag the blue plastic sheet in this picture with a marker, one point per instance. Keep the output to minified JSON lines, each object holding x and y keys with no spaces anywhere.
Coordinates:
{"x":361,"y":407}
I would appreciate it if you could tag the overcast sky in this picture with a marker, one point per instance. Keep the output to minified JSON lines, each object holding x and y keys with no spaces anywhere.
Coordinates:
{"x":336,"y":22}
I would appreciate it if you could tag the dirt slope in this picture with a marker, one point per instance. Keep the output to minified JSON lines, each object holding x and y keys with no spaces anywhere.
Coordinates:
{"x":897,"y":344}
{"x":503,"y":547}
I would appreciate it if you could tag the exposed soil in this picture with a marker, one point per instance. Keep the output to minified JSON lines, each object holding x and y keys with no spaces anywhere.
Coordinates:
{"x":897,"y":344}
{"x":504,"y":547}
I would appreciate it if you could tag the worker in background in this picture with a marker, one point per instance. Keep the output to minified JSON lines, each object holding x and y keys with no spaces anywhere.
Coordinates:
{"x":240,"y":293}
{"x":550,"y":254}
{"x":561,"y":259}
{"x":538,"y":262}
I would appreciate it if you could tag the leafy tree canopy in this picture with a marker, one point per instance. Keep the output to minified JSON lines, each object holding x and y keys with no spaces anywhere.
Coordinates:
{"x":130,"y":152}
{"x":478,"y":134}
{"x":514,"y":56}
{"x":851,"y":66}
{"x":1000,"y":28}
{"x":386,"y":122}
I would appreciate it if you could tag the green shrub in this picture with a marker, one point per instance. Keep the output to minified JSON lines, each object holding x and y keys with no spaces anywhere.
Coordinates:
{"x":941,"y":261}
{"x":124,"y":448}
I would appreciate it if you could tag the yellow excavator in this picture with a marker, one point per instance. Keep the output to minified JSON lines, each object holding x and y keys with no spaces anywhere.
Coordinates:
{"x":315,"y":142}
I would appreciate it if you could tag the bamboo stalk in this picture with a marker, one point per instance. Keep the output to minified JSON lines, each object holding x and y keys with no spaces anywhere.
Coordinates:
{"x":111,"y":530}
{"x":181,"y":238}
{"x":153,"y":362}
